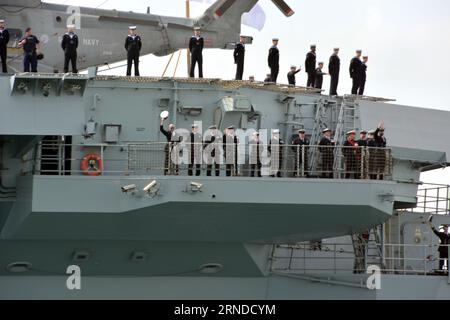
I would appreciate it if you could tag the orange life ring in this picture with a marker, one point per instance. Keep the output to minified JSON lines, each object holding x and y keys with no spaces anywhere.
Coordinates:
{"x":92,"y":165}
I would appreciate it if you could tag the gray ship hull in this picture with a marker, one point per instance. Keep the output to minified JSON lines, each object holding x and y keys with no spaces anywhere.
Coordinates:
{"x":394,"y":287}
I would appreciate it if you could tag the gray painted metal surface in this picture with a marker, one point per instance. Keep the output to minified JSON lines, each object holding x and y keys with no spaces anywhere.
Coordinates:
{"x":234,"y":221}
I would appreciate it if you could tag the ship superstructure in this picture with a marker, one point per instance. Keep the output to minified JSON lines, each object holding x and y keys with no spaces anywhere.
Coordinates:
{"x":85,"y":181}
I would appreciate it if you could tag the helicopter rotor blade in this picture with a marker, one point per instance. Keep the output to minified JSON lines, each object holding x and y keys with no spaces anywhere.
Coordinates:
{"x":284,"y":7}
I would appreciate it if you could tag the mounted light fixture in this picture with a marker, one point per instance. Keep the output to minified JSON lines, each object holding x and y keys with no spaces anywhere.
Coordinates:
{"x":152,"y":188}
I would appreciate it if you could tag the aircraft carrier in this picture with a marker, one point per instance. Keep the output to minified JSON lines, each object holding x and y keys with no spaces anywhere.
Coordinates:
{"x":135,"y":232}
{"x":95,"y":204}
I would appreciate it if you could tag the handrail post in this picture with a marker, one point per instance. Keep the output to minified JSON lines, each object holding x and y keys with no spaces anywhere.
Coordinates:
{"x":290,"y":259}
{"x":447,"y":202}
{"x":362,"y":160}
{"x":334,"y":258}
{"x":303,"y":161}
{"x":304,"y":258}
{"x":103,"y":159}
{"x":425,"y":201}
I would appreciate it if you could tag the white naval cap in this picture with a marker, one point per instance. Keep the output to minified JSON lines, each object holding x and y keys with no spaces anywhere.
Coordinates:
{"x":2,"y":21}
{"x":132,"y":28}
{"x":276,"y":131}
{"x":70,"y":26}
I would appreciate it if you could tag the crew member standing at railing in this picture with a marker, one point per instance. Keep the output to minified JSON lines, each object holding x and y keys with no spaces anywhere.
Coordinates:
{"x":300,"y":147}
{"x":371,"y":154}
{"x":380,"y":154}
{"x":195,"y":152}
{"x":327,"y":150}
{"x":230,"y":148}
{"x":171,"y":141}
{"x":444,"y":238}
{"x":256,"y":149}
{"x":4,"y":40}
{"x":212,"y":151}
{"x":276,"y":154}
{"x":349,"y":151}
{"x":361,"y":154}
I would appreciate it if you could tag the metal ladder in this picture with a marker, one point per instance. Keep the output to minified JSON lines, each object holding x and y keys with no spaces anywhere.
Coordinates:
{"x":319,"y":125}
{"x":347,"y":121}
{"x":367,"y":252}
{"x":375,"y":254}
{"x":51,"y":155}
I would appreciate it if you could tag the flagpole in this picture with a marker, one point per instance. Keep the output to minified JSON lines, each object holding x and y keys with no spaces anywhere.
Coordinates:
{"x":188,"y":15}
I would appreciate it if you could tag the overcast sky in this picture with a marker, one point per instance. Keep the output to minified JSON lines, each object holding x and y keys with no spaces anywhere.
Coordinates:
{"x":408,"y":43}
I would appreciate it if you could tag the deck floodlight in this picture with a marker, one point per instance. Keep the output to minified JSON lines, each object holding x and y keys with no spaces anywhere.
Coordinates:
{"x":129,"y":188}
{"x":152,"y":188}
{"x":196,"y":187}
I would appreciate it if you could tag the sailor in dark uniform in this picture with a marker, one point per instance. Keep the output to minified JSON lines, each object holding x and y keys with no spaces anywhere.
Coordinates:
{"x":230,"y":148}
{"x":380,"y":152}
{"x":239,"y":58}
{"x":349,"y":150}
{"x":69,"y":44}
{"x":361,"y":153}
{"x":300,"y":147}
{"x":326,"y":149}
{"x":310,"y":67}
{"x":444,"y":238}
{"x":274,"y":60}
{"x":362,"y":86}
{"x":291,"y":75}
{"x":172,"y":141}
{"x":212,"y":151}
{"x":371,"y":154}
{"x":31,"y":48}
{"x":355,"y":71}
{"x":4,"y":39}
{"x":195,"y":152}
{"x":256,"y":149}
{"x":334,"y":68}
{"x":196,"y":45}
{"x":276,"y":148}
{"x":319,"y":76}
{"x":133,"y":45}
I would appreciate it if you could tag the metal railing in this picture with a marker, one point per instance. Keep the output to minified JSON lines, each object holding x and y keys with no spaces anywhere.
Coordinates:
{"x":402,"y":259}
{"x":247,"y":160}
{"x":433,"y":199}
